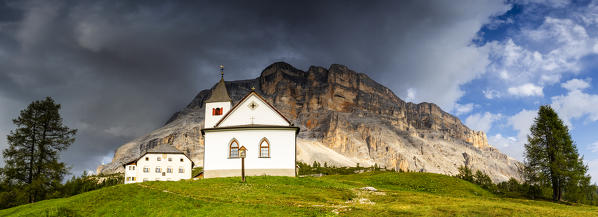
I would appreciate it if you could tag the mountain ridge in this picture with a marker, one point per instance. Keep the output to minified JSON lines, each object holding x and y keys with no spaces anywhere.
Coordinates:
{"x":345,"y":118}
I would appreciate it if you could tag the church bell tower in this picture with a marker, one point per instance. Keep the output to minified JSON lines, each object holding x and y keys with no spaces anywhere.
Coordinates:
{"x":218,"y":104}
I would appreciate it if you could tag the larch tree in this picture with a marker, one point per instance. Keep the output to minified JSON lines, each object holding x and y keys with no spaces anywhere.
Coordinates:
{"x":32,"y":158}
{"x":551,"y":157}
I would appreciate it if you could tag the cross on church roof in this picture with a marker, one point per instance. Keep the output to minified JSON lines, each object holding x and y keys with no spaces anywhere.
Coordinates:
{"x":221,"y":71}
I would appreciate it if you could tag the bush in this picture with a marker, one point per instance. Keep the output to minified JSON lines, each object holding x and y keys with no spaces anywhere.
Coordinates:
{"x":465,"y":174}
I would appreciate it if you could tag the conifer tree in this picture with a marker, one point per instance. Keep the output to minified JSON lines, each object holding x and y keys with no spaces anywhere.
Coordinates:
{"x":32,"y":156}
{"x":551,"y":157}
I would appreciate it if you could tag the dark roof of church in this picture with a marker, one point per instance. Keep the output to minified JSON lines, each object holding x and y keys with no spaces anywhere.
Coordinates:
{"x":164,"y":148}
{"x":219,"y":93}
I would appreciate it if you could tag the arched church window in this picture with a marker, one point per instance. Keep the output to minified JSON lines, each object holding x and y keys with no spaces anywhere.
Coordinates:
{"x":234,"y":149}
{"x":264,"y":148}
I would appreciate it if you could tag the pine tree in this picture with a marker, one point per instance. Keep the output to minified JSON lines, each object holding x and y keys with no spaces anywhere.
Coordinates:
{"x":32,"y":155}
{"x":551,"y":157}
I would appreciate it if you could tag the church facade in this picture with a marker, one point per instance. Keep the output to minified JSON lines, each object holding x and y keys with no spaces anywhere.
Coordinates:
{"x":253,"y":123}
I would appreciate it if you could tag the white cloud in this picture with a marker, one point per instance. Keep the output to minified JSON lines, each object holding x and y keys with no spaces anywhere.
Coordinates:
{"x":491,"y":94}
{"x":550,"y":3}
{"x":463,"y":109}
{"x":539,"y":56}
{"x":576,"y":103}
{"x":528,"y":89}
{"x":502,"y":141}
{"x":575,"y":84}
{"x":514,"y":146}
{"x":410,"y":94}
{"x":593,"y":169}
{"x":594,"y":147}
{"x":481,"y":122}
{"x":521,"y":122}
{"x":509,"y":145}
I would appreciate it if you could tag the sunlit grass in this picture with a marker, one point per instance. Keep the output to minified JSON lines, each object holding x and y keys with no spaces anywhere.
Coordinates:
{"x":399,"y":194}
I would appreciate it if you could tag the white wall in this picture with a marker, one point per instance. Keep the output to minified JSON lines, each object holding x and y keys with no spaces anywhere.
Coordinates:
{"x":151,"y":163}
{"x":211,"y":120}
{"x":282,"y":149}
{"x":262,"y":114}
{"x":130,"y":171}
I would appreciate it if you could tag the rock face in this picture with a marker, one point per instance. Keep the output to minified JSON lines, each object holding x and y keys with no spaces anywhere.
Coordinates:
{"x":345,"y":118}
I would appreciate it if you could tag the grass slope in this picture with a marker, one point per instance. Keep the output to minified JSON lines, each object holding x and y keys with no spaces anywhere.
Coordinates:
{"x":399,"y":194}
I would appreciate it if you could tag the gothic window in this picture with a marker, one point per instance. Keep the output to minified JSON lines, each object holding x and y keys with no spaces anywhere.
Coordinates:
{"x":264,"y":148}
{"x":234,"y":149}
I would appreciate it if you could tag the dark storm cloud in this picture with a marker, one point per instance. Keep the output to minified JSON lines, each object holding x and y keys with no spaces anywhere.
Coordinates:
{"x":121,"y":68}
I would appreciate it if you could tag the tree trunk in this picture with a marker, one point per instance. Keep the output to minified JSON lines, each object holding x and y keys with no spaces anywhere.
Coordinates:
{"x":560,"y":191}
{"x":555,"y":189}
{"x":31,"y":160}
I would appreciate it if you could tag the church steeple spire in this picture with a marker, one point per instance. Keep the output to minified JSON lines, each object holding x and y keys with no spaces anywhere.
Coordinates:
{"x":219,"y":93}
{"x":218,"y":104}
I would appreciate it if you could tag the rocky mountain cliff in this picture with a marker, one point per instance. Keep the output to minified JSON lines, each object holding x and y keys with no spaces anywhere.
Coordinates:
{"x":345,"y":118}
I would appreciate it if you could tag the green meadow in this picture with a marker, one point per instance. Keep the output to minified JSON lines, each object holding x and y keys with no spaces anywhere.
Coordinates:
{"x":420,"y":194}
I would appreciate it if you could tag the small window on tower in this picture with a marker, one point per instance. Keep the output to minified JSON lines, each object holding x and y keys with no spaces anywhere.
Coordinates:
{"x":217,"y":111}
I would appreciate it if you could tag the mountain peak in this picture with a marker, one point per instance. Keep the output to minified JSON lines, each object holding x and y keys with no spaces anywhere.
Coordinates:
{"x":345,"y":118}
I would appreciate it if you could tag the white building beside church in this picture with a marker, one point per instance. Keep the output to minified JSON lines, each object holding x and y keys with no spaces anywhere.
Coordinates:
{"x":269,"y":137}
{"x":161,"y":163}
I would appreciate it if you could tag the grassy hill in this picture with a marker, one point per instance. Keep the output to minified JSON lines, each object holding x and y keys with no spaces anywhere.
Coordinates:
{"x":398,"y":194}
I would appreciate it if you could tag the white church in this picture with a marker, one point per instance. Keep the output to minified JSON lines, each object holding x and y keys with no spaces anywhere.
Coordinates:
{"x":254,"y":124}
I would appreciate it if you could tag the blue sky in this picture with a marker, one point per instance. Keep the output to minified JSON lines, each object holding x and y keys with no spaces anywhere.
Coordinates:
{"x":540,"y":54}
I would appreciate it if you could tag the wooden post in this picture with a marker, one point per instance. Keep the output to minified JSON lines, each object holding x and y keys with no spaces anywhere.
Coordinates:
{"x":243,"y":169}
{"x":243,"y":154}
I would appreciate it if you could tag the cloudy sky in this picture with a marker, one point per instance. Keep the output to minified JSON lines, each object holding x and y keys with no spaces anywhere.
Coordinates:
{"x":120,"y":69}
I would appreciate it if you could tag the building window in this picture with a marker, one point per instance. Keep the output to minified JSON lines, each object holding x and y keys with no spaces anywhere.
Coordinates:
{"x":158,"y":170}
{"x":181,"y":170}
{"x":159,"y":158}
{"x":234,"y":149}
{"x":169,"y":170}
{"x":181,"y":159}
{"x":131,"y":167}
{"x":169,"y":159}
{"x":264,"y":148}
{"x":146,"y":170}
{"x":128,"y":178}
{"x":217,"y":111}
{"x":146,"y":158}
{"x":134,"y":178}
